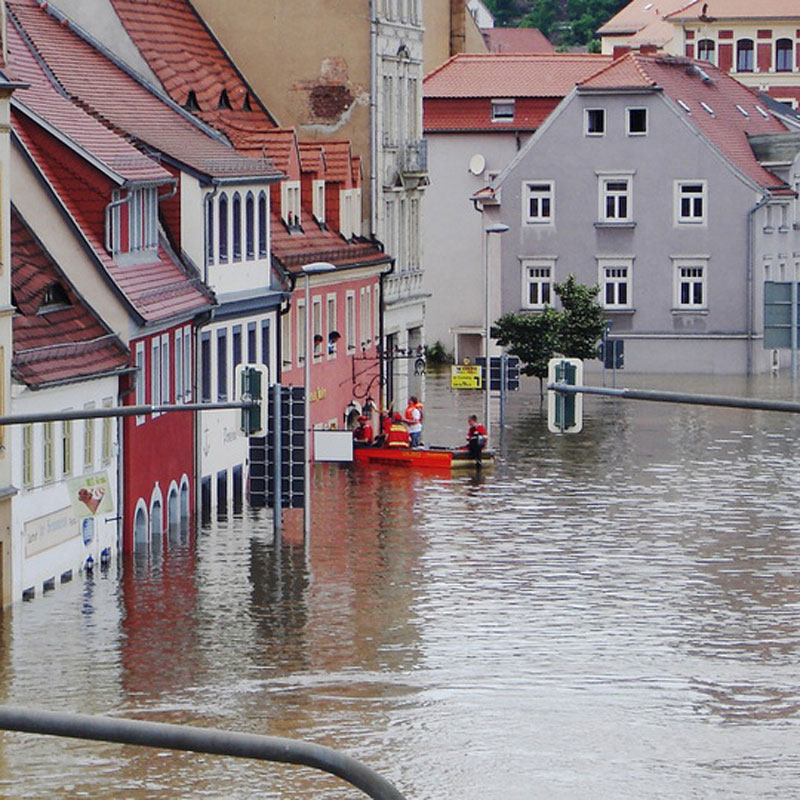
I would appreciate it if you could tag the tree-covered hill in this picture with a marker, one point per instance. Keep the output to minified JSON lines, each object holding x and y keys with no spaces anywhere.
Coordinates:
{"x":564,"y":22}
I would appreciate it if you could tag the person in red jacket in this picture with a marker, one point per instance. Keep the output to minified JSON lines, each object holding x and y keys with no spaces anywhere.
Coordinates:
{"x":362,"y":433}
{"x":476,"y":438}
{"x":397,"y":435}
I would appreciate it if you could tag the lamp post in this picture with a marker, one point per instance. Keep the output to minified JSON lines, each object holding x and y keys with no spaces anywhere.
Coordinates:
{"x":315,"y":268}
{"x":497,"y":227}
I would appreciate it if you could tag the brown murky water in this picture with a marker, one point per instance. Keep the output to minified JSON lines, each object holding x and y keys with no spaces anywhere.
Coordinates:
{"x":614,"y":614}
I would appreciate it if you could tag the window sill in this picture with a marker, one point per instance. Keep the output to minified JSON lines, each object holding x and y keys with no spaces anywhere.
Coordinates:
{"x":699,"y":312}
{"x":628,"y":224}
{"x":620,"y":312}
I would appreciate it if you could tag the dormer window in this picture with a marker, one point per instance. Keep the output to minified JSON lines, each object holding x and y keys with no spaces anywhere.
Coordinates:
{"x":191,"y":103}
{"x":53,"y":297}
{"x":290,"y":204}
{"x":502,"y":110}
{"x":246,"y":106}
{"x":318,"y":201}
{"x":224,"y":101}
{"x":134,"y":222}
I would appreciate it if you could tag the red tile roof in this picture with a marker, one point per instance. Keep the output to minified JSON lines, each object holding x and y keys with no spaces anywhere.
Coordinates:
{"x":738,"y":10}
{"x":312,"y":158}
{"x":475,"y":114}
{"x":121,"y":102}
{"x":157,"y":291}
{"x":338,"y":162}
{"x":516,"y":40}
{"x":67,"y":342}
{"x":120,"y":159}
{"x":519,"y":75}
{"x":709,"y":99}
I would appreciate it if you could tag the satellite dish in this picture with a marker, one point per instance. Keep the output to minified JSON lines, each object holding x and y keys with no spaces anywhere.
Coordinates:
{"x":477,"y":164}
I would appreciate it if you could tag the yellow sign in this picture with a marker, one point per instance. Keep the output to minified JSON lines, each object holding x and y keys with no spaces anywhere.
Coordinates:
{"x":465,"y":376}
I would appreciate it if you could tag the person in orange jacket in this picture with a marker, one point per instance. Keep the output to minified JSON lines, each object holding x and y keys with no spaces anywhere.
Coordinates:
{"x":414,"y":420}
{"x":362,"y":433}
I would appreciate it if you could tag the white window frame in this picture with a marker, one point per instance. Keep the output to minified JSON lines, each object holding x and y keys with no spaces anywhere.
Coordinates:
{"x":538,"y":265}
{"x":317,"y":328}
{"x":680,"y":264}
{"x":27,"y":456}
{"x":628,"y":113}
{"x":588,"y":116}
{"x":48,"y":452}
{"x":179,"y":372}
{"x":318,"y":199}
{"x":155,"y":373}
{"x":286,"y":341}
{"x":681,"y":194}
{"x":365,"y":330}
{"x":66,"y":448}
{"x":88,"y":441}
{"x":290,"y":202}
{"x":616,"y":272}
{"x":543,"y":193}
{"x":503,"y":109}
{"x":188,"y":388}
{"x":140,"y":387}
{"x":302,"y":345}
{"x":331,"y":319}
{"x":165,"y":370}
{"x":107,"y":446}
{"x":350,"y":320}
{"x":605,"y":191}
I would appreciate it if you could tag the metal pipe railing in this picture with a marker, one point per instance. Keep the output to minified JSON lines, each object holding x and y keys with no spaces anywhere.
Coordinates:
{"x":200,"y":740}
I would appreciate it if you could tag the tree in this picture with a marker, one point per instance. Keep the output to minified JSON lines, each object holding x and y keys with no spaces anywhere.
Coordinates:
{"x":573,"y":332}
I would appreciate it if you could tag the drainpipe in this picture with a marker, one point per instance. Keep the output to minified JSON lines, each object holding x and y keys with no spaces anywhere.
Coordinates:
{"x":109,"y":208}
{"x":751,"y":278}
{"x":373,"y":117}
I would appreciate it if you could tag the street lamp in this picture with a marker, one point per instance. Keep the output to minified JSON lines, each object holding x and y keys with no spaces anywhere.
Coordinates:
{"x":497,"y":227}
{"x":315,"y":268}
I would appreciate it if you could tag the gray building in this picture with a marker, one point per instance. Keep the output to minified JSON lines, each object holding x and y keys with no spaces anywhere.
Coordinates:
{"x":644,"y":181}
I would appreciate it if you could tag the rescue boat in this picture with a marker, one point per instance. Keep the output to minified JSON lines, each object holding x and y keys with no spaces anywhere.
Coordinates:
{"x":422,"y":457}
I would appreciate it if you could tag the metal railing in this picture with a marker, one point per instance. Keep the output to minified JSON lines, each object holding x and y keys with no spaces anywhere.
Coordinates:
{"x":200,"y":740}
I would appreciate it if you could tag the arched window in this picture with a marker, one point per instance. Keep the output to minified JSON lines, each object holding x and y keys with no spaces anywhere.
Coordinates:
{"x":744,"y":55}
{"x":237,"y":227}
{"x":223,"y":228}
{"x":262,"y":225}
{"x":783,"y":55}
{"x":249,"y":227}
{"x":173,"y":514}
{"x":156,"y":523}
{"x":706,"y":50}
{"x":209,"y":231}
{"x":140,"y":528}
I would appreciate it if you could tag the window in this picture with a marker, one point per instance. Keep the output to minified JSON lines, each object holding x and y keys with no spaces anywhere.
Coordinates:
{"x":222,"y":365}
{"x":223,"y":228}
{"x":318,"y":200}
{"x":209,"y":232}
{"x":366,"y":317}
{"x":615,"y":198}
{"x":236,"y":346}
{"x":250,"y":227}
{"x":66,"y":447}
{"x":783,"y":55}
{"x":27,"y":456}
{"x":290,"y":204}
{"x":595,"y":120}
{"x":706,"y":50}
{"x":265,"y":348}
{"x":286,"y":340}
{"x":636,"y":121}
{"x":179,"y":366}
{"x":88,"y":442}
{"x":155,"y":373}
{"x":48,"y":465}
{"x":333,"y":326}
{"x":205,"y":367}
{"x":537,"y":283}
{"x":690,"y":284}
{"x":252,"y":355}
{"x":301,"y":331}
{"x":187,"y":364}
{"x":539,"y":202}
{"x":691,"y":201}
{"x":262,"y":225}
{"x":350,"y":321}
{"x":236,"y":214}
{"x":108,"y":433}
{"x":316,"y":326}
{"x":615,"y":283}
{"x":166,"y":395}
{"x":502,"y":110}
{"x":744,"y":55}
{"x":140,"y":389}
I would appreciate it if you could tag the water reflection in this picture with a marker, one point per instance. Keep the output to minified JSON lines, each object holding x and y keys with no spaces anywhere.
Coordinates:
{"x":613,"y":614}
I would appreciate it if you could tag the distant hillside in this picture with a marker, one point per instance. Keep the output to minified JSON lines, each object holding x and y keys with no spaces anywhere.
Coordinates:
{"x":565,"y":23}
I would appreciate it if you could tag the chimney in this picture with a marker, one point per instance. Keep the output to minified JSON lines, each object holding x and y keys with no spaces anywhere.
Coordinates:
{"x":648,"y":49}
{"x":458,"y":30}
{"x":620,"y":50}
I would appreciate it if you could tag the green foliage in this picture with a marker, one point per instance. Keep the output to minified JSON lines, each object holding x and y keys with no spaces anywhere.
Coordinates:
{"x":569,"y":23}
{"x":436,"y":353}
{"x":574,"y":331}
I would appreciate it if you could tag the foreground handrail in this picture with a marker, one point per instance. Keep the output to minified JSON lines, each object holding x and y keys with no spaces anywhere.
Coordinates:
{"x":200,"y":740}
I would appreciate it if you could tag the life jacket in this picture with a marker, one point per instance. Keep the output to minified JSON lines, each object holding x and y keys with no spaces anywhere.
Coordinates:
{"x":398,"y":436}
{"x":409,"y":407}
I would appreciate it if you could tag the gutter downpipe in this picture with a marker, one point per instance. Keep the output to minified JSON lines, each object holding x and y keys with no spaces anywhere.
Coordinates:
{"x":751,"y":279}
{"x":107,"y":214}
{"x":381,"y":342}
{"x":373,"y":117}
{"x":207,"y":200}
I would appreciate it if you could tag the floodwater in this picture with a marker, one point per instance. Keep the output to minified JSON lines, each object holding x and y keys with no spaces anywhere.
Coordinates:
{"x":614,"y":614}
